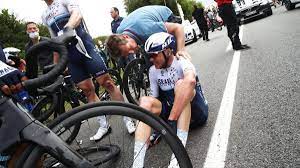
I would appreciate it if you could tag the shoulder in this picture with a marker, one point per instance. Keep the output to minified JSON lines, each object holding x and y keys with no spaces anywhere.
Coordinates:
{"x":183,"y":61}
{"x":28,"y":45}
{"x":152,"y":69}
{"x":186,"y":64}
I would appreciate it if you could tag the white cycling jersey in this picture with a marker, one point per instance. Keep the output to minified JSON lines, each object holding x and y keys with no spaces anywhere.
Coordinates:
{"x":5,"y":69}
{"x":165,"y":79}
{"x":58,"y":14}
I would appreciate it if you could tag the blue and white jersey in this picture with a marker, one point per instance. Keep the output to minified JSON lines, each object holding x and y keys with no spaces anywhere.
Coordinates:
{"x":57,"y":16}
{"x":165,"y":79}
{"x":5,"y":69}
{"x":58,"y":13}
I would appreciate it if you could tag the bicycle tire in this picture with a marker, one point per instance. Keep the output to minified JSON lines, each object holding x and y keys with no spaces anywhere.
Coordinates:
{"x":77,"y":126}
{"x":128,"y":77}
{"x":38,"y":108}
{"x":23,"y":157}
{"x":123,"y":109}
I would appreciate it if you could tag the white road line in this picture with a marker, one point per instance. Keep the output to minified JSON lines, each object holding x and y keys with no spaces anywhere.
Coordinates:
{"x":216,"y":154}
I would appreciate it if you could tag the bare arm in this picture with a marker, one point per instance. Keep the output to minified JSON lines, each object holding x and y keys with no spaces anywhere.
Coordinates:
{"x":184,"y":93}
{"x":75,"y":19}
{"x":178,"y":31}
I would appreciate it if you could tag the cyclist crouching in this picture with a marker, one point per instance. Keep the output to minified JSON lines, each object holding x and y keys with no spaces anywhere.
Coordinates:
{"x":175,"y":95}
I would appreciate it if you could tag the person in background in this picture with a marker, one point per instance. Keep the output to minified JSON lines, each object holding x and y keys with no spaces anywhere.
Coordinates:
{"x":36,"y":65}
{"x":115,"y":23}
{"x":210,"y":16}
{"x":227,"y":13}
{"x":198,"y":15}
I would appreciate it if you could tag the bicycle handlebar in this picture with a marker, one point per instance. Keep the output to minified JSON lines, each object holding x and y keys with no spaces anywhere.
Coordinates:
{"x":55,"y":44}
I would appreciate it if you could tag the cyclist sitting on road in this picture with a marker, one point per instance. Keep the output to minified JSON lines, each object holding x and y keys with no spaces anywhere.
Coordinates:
{"x":175,"y":94}
{"x":84,"y":60}
{"x":136,"y":28}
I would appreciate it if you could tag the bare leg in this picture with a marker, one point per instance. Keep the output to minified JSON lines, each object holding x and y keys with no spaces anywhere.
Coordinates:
{"x":143,"y":131}
{"x":116,"y":95}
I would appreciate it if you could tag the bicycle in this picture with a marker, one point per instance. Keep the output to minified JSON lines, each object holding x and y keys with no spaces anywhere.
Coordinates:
{"x":136,"y":78}
{"x":42,"y":140}
{"x":63,"y":95}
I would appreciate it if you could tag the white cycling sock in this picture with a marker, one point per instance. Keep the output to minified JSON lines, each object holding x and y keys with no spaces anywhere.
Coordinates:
{"x":102,"y":121}
{"x":139,"y":154}
{"x":182,"y":135}
{"x":126,"y":119}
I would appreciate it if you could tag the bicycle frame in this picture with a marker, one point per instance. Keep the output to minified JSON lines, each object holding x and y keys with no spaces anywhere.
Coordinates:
{"x":27,"y":129}
{"x":18,"y":127}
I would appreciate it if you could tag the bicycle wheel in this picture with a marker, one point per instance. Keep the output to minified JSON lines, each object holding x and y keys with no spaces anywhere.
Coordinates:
{"x":44,"y":108}
{"x":136,"y":80}
{"x":158,"y":156}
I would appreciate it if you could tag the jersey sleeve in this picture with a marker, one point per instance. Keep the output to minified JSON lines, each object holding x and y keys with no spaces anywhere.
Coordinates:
{"x":186,"y":65}
{"x":154,"y":90}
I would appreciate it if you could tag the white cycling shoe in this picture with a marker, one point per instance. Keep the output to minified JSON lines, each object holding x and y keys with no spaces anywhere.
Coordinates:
{"x":173,"y":164}
{"x":100,"y":133}
{"x":130,"y":127}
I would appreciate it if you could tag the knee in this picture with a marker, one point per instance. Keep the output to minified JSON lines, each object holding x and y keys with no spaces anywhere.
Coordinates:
{"x":88,"y":89}
{"x":106,"y":82}
{"x":148,"y":103}
{"x":109,"y":85}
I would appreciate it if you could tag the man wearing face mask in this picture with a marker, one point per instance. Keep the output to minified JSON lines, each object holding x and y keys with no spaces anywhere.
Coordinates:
{"x":47,"y":58}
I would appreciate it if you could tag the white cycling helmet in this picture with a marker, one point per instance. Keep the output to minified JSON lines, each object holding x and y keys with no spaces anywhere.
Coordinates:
{"x":11,"y":52}
{"x":160,"y":41}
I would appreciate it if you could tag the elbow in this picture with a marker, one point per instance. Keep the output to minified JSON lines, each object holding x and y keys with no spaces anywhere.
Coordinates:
{"x":180,"y":28}
{"x":192,"y":82}
{"x":190,"y":79}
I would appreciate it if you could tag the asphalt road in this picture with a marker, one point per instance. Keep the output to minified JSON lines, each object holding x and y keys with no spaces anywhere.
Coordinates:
{"x":265,"y":123}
